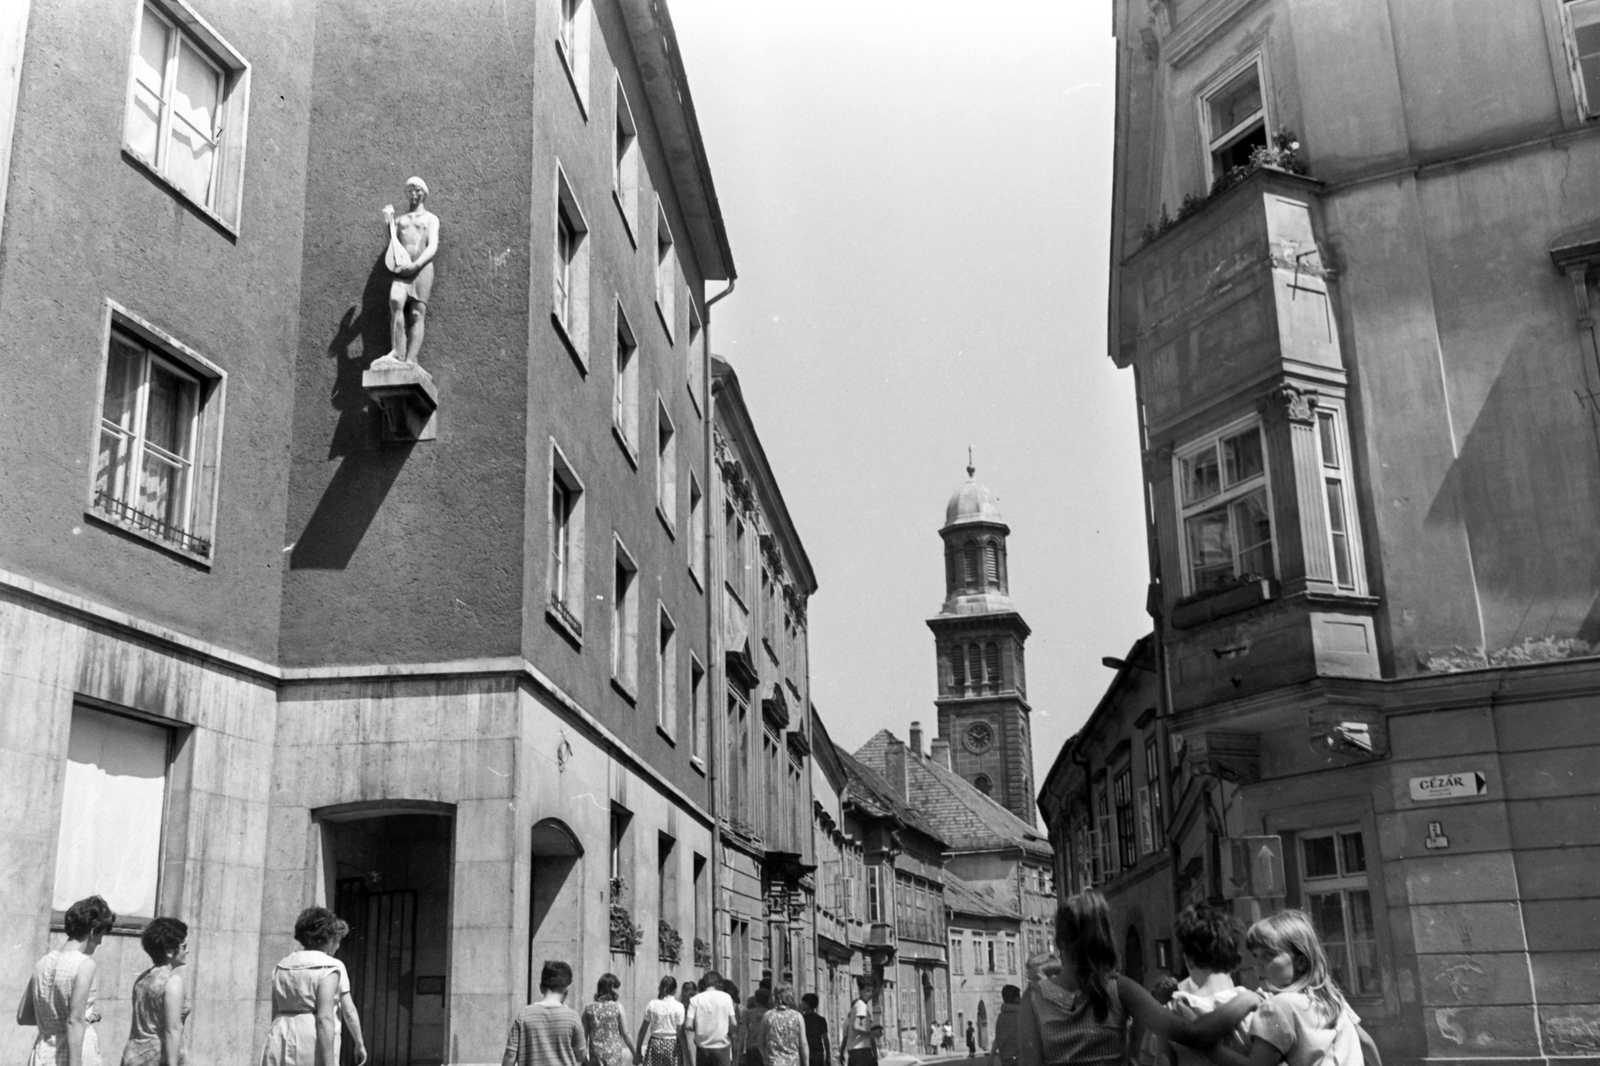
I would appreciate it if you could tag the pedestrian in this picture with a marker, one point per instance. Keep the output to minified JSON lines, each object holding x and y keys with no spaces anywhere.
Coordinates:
{"x":311,"y":1004}
{"x":685,"y":1048}
{"x":60,"y":995}
{"x":972,"y":1041}
{"x":662,"y":1024}
{"x":1209,"y":940}
{"x":709,"y":1021}
{"x":783,"y":1030}
{"x":1041,"y":965}
{"x":156,"y":1036}
{"x":546,"y":1033}
{"x":752,"y":1037}
{"x":1003,"y":1052}
{"x":948,"y":1043}
{"x":934,"y":1032}
{"x":816,"y":1031}
{"x":1080,"y":1015}
{"x":858,"y":1046}
{"x":605,"y":1025}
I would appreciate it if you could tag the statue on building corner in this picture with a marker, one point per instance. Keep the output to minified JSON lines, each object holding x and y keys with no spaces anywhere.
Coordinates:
{"x":413,"y":242}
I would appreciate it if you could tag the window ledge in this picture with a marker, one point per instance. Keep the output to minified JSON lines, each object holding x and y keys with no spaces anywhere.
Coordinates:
{"x":572,"y":346}
{"x":627,"y":222}
{"x":1223,"y":602}
{"x":665,"y":735}
{"x":665,"y":324}
{"x":228,"y":229}
{"x":625,"y":692}
{"x":572,"y":80}
{"x":666,"y":523}
{"x":694,"y":395}
{"x":561,"y":616}
{"x":124,"y":525}
{"x":699,"y":582}
{"x":627,"y":448}
{"x":698,"y":764}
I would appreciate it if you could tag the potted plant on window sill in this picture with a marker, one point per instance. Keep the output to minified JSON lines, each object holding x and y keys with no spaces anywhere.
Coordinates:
{"x":702,"y":954}
{"x":625,"y":933}
{"x":670,"y":941}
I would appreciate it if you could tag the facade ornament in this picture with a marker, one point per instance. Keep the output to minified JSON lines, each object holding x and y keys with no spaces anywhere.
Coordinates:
{"x":1288,"y":402}
{"x":413,"y":243}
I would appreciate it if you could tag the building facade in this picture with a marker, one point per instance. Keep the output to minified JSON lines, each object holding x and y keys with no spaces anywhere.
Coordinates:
{"x":761,"y":583}
{"x":268,"y":646}
{"x":840,"y":900}
{"x":1353,"y":256}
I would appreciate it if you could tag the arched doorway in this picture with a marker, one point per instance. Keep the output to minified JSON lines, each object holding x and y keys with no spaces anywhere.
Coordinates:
{"x":1133,"y":955}
{"x":983,"y":1025}
{"x":555,"y":923}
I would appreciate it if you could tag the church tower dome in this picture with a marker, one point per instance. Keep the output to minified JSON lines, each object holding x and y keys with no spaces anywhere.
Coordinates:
{"x":978,"y":640}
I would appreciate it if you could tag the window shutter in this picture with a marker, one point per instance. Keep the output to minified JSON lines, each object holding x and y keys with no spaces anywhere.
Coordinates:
{"x":991,"y":565}
{"x":991,"y":665}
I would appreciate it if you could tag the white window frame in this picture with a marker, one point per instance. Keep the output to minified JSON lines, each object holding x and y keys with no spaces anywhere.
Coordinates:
{"x":569,"y":295}
{"x":1337,"y":483}
{"x":666,"y":273}
{"x":697,"y":532}
{"x":625,"y":387}
{"x":1214,"y":141}
{"x":624,"y":621}
{"x":625,"y":162}
{"x":205,"y":434}
{"x":225,"y":197}
{"x":696,"y":355}
{"x":572,"y":45}
{"x":1224,"y":496}
{"x":566,"y":607}
{"x":666,"y":672}
{"x":1587,"y":109}
{"x":666,"y":468}
{"x":1343,"y":884}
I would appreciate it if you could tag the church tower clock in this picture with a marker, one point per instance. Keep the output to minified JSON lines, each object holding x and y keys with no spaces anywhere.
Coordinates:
{"x":978,"y":636}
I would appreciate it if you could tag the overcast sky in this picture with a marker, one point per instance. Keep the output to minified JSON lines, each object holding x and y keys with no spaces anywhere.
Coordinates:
{"x":917,"y":194}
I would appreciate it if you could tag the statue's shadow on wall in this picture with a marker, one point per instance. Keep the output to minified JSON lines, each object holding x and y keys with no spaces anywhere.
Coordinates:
{"x":369,"y":464}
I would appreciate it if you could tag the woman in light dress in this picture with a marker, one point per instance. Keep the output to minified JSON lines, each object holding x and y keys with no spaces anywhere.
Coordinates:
{"x":311,"y":997}
{"x":59,"y":998}
{"x":605,"y":1024}
{"x":156,"y":1035}
{"x":785,"y":1031}
{"x":663,"y":1021}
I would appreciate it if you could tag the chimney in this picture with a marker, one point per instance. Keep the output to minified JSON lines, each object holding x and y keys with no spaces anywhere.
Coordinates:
{"x":941,"y":752}
{"x":916,"y":739}
{"x":894,"y":766}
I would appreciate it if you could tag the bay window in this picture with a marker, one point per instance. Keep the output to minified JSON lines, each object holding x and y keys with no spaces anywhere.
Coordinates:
{"x":1226,"y":509}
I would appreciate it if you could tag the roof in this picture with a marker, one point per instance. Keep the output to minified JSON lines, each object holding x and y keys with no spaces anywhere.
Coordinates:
{"x":961,"y":815}
{"x":872,"y":793}
{"x":964,"y":898}
{"x":971,"y":502}
{"x":1139,"y":658}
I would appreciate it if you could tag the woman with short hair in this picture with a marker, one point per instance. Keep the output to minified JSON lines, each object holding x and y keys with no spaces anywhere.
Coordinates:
{"x":156,"y":1036}
{"x":311,"y":1002}
{"x":59,"y":998}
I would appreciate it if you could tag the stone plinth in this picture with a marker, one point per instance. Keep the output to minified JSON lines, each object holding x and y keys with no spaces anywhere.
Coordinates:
{"x":406,"y":395}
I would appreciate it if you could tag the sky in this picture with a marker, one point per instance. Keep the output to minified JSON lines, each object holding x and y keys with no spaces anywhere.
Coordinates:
{"x":917,"y":194}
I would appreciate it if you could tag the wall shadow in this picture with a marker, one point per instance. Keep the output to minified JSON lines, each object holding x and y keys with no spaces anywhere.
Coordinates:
{"x":369,"y":465}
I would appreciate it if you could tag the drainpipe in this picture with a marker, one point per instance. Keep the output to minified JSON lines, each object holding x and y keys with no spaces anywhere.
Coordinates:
{"x":714,"y":669}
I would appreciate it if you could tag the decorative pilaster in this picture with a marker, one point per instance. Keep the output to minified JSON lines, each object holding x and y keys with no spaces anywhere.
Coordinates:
{"x":1300,"y":510}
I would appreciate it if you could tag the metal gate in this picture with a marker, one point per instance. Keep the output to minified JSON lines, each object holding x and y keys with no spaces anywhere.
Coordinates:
{"x":380,"y":954}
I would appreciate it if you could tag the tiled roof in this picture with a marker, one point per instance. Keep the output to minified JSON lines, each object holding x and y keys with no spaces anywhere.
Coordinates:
{"x":964,"y":898}
{"x":872,"y":792}
{"x":961,"y":815}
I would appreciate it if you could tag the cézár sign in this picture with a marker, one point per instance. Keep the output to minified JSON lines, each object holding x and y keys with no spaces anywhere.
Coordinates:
{"x":1449,"y":786}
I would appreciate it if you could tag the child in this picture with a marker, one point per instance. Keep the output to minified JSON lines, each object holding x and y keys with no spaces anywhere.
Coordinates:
{"x":1080,"y":1015}
{"x":1304,"y":1020}
{"x":1209,"y":939}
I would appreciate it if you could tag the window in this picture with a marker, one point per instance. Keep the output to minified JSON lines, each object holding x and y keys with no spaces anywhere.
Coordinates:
{"x":1122,"y":792}
{"x":625,"y":390}
{"x":988,"y":954}
{"x":666,"y":272}
{"x":1336,"y":487}
{"x":734,"y":557}
{"x":666,"y":468}
{"x":566,"y":544}
{"x":1107,"y":832}
{"x":697,"y":709}
{"x":187,"y":104}
{"x":1011,"y":953}
{"x":1333,"y":872}
{"x":155,"y":471}
{"x":621,"y":852}
{"x":572,"y":44}
{"x":1583,"y":48}
{"x":1234,"y":118}
{"x":696,"y":355}
{"x":625,"y":622}
{"x":957,"y":942}
{"x":991,"y":565}
{"x":1227,"y":515}
{"x":113,"y":796}
{"x":958,"y":671}
{"x":874,"y":896}
{"x":991,"y":667}
{"x":983,"y":784}
{"x":1152,"y":775}
{"x":625,"y":163}
{"x":569,"y":307}
{"x":1147,"y":829}
{"x":697,"y":532}
{"x":666,"y":672}
{"x":970,"y":554}
{"x":666,"y":879}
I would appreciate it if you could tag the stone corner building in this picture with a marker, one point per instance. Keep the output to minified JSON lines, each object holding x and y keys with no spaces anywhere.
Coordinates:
{"x":257,"y":653}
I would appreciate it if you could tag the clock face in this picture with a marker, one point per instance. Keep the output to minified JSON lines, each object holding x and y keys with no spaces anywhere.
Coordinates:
{"x":980,"y":737}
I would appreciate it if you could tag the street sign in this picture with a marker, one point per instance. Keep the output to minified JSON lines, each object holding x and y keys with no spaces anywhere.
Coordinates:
{"x":1252,"y":866}
{"x":1449,"y":786}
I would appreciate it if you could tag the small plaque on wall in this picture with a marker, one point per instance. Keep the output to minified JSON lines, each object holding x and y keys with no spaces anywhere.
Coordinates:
{"x":430,"y":986}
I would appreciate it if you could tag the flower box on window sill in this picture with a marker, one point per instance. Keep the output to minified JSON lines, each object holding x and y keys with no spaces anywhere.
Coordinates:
{"x":702,"y":955}
{"x":670,"y":941}
{"x":1241,"y":595}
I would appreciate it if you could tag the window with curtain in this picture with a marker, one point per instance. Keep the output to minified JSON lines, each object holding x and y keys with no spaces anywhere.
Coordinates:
{"x":1333,"y":873}
{"x":1227,"y":520}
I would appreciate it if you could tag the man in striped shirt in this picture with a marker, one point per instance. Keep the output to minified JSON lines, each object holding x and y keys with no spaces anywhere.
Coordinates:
{"x":548,"y":1033}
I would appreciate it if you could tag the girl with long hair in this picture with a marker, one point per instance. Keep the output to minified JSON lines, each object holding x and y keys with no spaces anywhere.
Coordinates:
{"x":1079,"y":1015}
{"x":1304,"y":1019}
{"x":605,"y":1024}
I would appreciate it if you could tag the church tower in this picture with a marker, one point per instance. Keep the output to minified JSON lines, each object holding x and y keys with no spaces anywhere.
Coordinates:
{"x":978,"y":636}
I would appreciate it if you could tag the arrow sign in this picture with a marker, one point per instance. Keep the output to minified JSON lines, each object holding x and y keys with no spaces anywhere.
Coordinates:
{"x":1456,"y":784}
